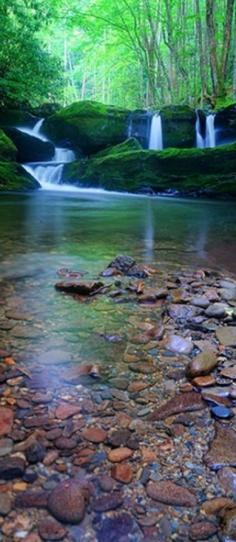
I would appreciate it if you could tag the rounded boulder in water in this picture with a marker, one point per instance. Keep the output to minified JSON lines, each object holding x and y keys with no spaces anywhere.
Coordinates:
{"x":67,"y":502}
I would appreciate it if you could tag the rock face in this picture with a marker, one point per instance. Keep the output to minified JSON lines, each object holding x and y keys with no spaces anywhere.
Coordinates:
{"x":222,"y":452}
{"x":67,"y":502}
{"x":88,"y":126}
{"x":8,"y":150}
{"x":170,"y":493}
{"x":178,"y":124}
{"x":185,"y":402}
{"x":30,"y":149}
{"x":191,"y":171}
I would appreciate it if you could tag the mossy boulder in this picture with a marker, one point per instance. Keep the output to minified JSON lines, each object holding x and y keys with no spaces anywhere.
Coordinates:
{"x":178,"y":123}
{"x":225,"y":122}
{"x":14,"y":178}
{"x":30,"y":148}
{"x":8,"y":151}
{"x":127,"y":167}
{"x":88,"y":126}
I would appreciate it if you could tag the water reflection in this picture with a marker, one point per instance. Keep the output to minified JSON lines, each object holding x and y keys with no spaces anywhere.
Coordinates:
{"x":149,"y":232}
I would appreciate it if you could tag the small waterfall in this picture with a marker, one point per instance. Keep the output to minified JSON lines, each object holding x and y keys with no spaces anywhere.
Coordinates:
{"x":210,"y":138}
{"x":156,"y":137}
{"x":48,"y":174}
{"x":210,"y":131}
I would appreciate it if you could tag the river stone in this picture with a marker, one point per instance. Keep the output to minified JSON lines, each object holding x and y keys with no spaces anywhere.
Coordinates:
{"x":120,"y":454}
{"x":66,"y":502}
{"x":12,"y":467}
{"x":227,"y":479}
{"x":222,"y":450}
{"x":108,"y":502}
{"x":222,"y":412}
{"x":183,"y":312}
{"x":94,"y":434}
{"x":183,"y":402}
{"x":216,"y":310}
{"x":66,"y":410}
{"x":81,"y":288}
{"x":36,"y":498}
{"x":50,"y":529}
{"x":122,"y":472}
{"x":5,"y":503}
{"x":226,"y":335}
{"x":168,"y":492}
{"x":202,"y":530}
{"x":229,"y":373}
{"x":202,"y":364}
{"x":212,"y":507}
{"x":122,"y":263}
{"x":5,"y":446}
{"x":200,"y":301}
{"x":121,"y":527}
{"x":229,"y":526}
{"x":6,"y":420}
{"x":178,"y":344}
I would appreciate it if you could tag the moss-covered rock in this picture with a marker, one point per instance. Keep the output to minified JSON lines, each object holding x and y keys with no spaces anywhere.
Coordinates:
{"x":14,"y":178}
{"x":206,"y":171}
{"x":30,"y":148}
{"x":88,"y":126}
{"x":178,"y":123}
{"x":8,"y":151}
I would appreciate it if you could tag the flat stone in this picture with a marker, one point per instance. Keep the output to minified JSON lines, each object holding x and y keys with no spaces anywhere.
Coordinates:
{"x":222,"y":412}
{"x":137,"y":386}
{"x":183,"y":402}
{"x":119,"y":437}
{"x":122,"y":472}
{"x":200,"y":301}
{"x":144,"y":368}
{"x":122,"y":263}
{"x":5,"y":446}
{"x":178,"y":344}
{"x":12,"y":467}
{"x":202,"y":530}
{"x":222,"y":450}
{"x":227,"y":479}
{"x":107,"y":502}
{"x":204,"y":381}
{"x":18,"y":315}
{"x":74,"y":374}
{"x":202,"y":364}
{"x":66,"y":410}
{"x":5,"y":503}
{"x":213,"y":506}
{"x":216,"y":310}
{"x":229,"y":373}
{"x":67,"y":503}
{"x":83,"y":288}
{"x":226,"y":335}
{"x":168,"y":492}
{"x":50,"y":529}
{"x":120,"y":527}
{"x":95,"y":434}
{"x":229,"y":526}
{"x":36,"y":498}
{"x":65,"y":443}
{"x":6,"y":421}
{"x":120,"y":454}
{"x":183,"y":312}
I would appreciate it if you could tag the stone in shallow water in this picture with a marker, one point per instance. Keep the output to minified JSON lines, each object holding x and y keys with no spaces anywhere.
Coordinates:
{"x":67,"y":502}
{"x":168,"y":492}
{"x":94,"y":434}
{"x":66,"y":410}
{"x":227,"y":479}
{"x":122,"y":527}
{"x":229,"y":373}
{"x":226,"y":335}
{"x":216,"y":310}
{"x":12,"y":467}
{"x":203,"y":381}
{"x":183,"y":402}
{"x":222,"y":412}
{"x":222,"y":450}
{"x":202,"y":530}
{"x":183,"y":312}
{"x":229,"y":526}
{"x":5,"y":446}
{"x":178,"y":344}
{"x":120,"y":454}
{"x":202,"y":364}
{"x":6,"y":420}
{"x":122,"y":263}
{"x":50,"y":529}
{"x":81,"y":288}
{"x":5,"y":503}
{"x":122,"y":472}
{"x":107,"y":502}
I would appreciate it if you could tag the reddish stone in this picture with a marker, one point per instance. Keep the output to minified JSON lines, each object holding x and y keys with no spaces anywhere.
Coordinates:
{"x":120,"y":454}
{"x":66,"y":410}
{"x":171,"y":493}
{"x":122,"y":473}
{"x":185,"y":402}
{"x":213,"y":506}
{"x":50,"y":529}
{"x":108,"y":502}
{"x":222,"y":452}
{"x":202,"y":530}
{"x":137,"y":386}
{"x":94,"y":434}
{"x":67,"y":503}
{"x":31,"y":499}
{"x":203,"y":381}
{"x":6,"y":421}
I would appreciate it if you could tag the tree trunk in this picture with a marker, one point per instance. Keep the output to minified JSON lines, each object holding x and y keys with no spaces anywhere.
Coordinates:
{"x":211,"y":33}
{"x":202,"y":59}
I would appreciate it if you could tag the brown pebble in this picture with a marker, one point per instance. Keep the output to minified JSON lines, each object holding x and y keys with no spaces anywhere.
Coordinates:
{"x":120,"y":454}
{"x":122,"y":473}
{"x":94,"y":434}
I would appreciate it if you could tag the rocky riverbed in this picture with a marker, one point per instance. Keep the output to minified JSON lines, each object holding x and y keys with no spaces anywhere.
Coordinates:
{"x":139,"y":447}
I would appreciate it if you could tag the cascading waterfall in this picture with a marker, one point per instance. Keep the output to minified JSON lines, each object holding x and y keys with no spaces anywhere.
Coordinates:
{"x":156,"y":136}
{"x":48,"y":174}
{"x":210,"y":138}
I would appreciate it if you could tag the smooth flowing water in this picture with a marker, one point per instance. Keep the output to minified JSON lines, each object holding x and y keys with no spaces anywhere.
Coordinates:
{"x":210,"y":137}
{"x":156,"y":136}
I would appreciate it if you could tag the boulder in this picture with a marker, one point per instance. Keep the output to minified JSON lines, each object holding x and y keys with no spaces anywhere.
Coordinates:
{"x":88,"y":126}
{"x":178,"y":123}
{"x":8,"y":150}
{"x":14,"y":178}
{"x":127,"y":167}
{"x":30,"y":148}
{"x":15,"y":117}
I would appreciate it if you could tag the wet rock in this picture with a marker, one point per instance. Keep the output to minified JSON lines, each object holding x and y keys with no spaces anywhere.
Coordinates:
{"x":35,"y":452}
{"x":67,"y":502}
{"x":179,"y":345}
{"x":202,"y":530}
{"x":50,"y":457}
{"x":183,"y":312}
{"x":122,"y":472}
{"x":144,"y":368}
{"x":227,"y":479}
{"x":185,"y":402}
{"x":64,"y":443}
{"x":5,"y":446}
{"x":78,"y":287}
{"x":94,"y":434}
{"x":119,"y":437}
{"x":229,"y":526}
{"x":168,"y":492}
{"x":50,"y":529}
{"x":107,"y":502}
{"x":74,"y":374}
{"x":200,"y":301}
{"x":64,"y":411}
{"x":122,"y":263}
{"x":214,"y":506}
{"x":137,"y":386}
{"x":5,"y":503}
{"x":32,"y":499}
{"x":202,"y":364}
{"x":120,"y":454}
{"x":222,"y":450}
{"x":121,"y":527}
{"x":216,"y":310}
{"x":229,"y":372}
{"x":204,"y":381}
{"x":12,"y":467}
{"x":226,"y":335}
{"x":222,"y":412}
{"x":6,"y":420}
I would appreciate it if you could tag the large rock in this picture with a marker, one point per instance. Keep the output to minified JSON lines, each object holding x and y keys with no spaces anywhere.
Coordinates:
{"x":30,"y":149}
{"x":127,"y":167}
{"x":15,"y":117}
{"x":88,"y":126}
{"x":8,"y":150}
{"x":67,"y":503}
{"x":14,"y":178}
{"x":178,"y":124}
{"x":202,"y":364}
{"x":168,"y":492}
{"x":6,"y":420}
{"x":185,"y":402}
{"x":222,"y":452}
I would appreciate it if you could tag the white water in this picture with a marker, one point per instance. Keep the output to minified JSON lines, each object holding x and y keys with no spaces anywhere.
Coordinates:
{"x":156,"y":137}
{"x":48,"y":174}
{"x":210,"y":138}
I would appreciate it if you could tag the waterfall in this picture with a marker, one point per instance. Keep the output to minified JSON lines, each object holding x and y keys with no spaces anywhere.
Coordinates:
{"x":210,"y":138}
{"x":48,"y":174}
{"x":156,"y":137}
{"x":210,"y":131}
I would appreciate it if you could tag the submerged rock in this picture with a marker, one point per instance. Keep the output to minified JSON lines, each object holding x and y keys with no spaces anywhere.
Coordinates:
{"x":222,"y":450}
{"x":6,"y":420}
{"x":81,"y":288}
{"x":184,"y":402}
{"x":168,"y":492}
{"x":67,"y":502}
{"x":202,"y":364}
{"x":226,"y":335}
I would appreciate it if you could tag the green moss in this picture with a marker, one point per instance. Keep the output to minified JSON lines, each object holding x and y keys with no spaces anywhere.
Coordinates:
{"x":14,"y":178}
{"x":185,"y":170}
{"x":178,"y":123}
{"x":88,"y":126}
{"x":223,"y":102}
{"x":8,"y":150}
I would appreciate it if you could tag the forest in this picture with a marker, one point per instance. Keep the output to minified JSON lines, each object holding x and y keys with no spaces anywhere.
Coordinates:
{"x":129,"y":53}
